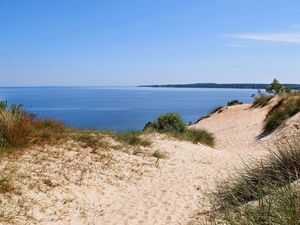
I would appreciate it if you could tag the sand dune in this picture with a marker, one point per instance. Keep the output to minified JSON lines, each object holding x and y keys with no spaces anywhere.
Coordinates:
{"x":73,"y":185}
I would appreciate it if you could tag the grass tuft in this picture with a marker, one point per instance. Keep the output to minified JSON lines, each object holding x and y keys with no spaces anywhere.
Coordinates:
{"x":261,"y":101}
{"x":91,"y":139}
{"x":159,"y":155}
{"x":132,"y":138}
{"x":288,"y":106}
{"x":20,"y":129}
{"x":197,"y":136}
{"x":264,"y":192}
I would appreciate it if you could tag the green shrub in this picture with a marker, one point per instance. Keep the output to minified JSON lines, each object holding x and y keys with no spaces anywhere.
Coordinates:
{"x":150,"y":127}
{"x":167,"y":123}
{"x":172,"y":124}
{"x":234,"y":102}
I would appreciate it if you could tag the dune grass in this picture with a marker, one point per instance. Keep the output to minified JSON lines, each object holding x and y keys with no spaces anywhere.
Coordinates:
{"x":288,"y":106}
{"x":132,"y":138}
{"x":264,"y":192}
{"x":97,"y":138}
{"x":19,"y":129}
{"x":196,"y":136}
{"x":261,"y":101}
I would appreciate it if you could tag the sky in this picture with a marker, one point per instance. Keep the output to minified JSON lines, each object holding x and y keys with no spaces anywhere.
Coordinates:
{"x":135,"y":42}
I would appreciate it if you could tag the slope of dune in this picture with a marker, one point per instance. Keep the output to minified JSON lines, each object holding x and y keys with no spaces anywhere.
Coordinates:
{"x":237,"y":128}
{"x":71,"y":184}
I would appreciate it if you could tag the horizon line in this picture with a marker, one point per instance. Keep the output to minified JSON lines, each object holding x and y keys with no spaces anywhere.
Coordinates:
{"x":140,"y":85}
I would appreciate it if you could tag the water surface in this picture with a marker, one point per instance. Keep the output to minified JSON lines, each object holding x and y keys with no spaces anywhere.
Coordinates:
{"x":119,"y":108}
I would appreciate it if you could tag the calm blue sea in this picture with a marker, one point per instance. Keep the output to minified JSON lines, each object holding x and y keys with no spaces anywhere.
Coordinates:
{"x":119,"y":108}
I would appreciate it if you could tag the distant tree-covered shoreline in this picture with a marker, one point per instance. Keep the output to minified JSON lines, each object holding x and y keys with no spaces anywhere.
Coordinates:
{"x":216,"y":85}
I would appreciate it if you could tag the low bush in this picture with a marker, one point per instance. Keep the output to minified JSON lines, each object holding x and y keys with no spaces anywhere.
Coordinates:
{"x":234,"y":102}
{"x":150,"y":127}
{"x":216,"y":109}
{"x":172,"y":124}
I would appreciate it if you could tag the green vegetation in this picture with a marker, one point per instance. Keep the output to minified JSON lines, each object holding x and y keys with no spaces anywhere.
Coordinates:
{"x":19,"y":129}
{"x":264,"y":192}
{"x":217,"y":109}
{"x":276,"y":88}
{"x":172,"y":124}
{"x":234,"y":102}
{"x":90,"y":139}
{"x":215,"y":85}
{"x":288,"y":106}
{"x":261,"y":101}
{"x":197,"y":136}
{"x":132,"y":138}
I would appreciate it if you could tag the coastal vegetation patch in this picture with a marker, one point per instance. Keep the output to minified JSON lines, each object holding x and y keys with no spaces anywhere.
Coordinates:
{"x":263,"y":192}
{"x":171,"y":123}
{"x":234,"y":102}
{"x":19,"y":129}
{"x":287,"y":106}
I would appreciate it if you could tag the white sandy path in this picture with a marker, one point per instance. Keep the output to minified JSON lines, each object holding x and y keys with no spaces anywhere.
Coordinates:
{"x":173,"y":193}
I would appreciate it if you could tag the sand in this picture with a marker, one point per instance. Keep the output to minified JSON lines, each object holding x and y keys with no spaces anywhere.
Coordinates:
{"x":72,"y":185}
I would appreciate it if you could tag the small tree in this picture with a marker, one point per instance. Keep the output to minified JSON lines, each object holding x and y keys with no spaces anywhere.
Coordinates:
{"x":275,"y":87}
{"x":287,"y":90}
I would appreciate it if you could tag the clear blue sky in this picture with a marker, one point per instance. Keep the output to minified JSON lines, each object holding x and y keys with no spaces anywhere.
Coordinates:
{"x":131,"y":42}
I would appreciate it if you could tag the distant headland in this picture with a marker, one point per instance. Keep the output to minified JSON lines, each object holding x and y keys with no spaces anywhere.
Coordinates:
{"x":217,"y":85}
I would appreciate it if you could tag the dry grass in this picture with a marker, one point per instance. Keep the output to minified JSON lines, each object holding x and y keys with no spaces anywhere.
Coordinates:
{"x":288,"y":106}
{"x":264,"y":192}
{"x":18,"y":129}
{"x":159,"y":155}
{"x":132,"y":138}
{"x":261,"y":101}
{"x":198,"y":136}
{"x":91,"y":139}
